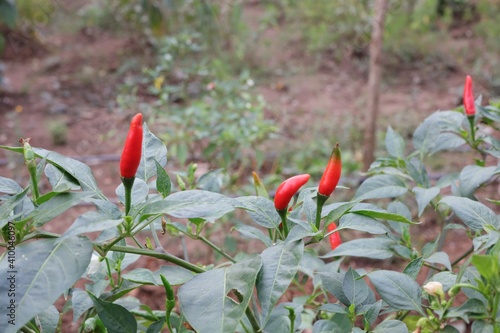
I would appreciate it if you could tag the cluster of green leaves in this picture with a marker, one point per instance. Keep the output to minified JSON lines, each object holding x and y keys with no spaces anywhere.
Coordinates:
{"x":243,"y":293}
{"x":211,"y":117}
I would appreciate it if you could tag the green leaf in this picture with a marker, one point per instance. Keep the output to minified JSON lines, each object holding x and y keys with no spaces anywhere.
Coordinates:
{"x":8,"y":13}
{"x":381,"y":186}
{"x":426,"y":135}
{"x":157,"y":326}
{"x":115,"y":317}
{"x":414,"y":267}
{"x":393,"y":326}
{"x":334,"y":308}
{"x":163,"y":183}
{"x":279,"y":322}
{"x":474,"y":214}
{"x":418,"y":173}
{"x":333,"y":212}
{"x":80,"y":302}
{"x":192,"y":204}
{"x":326,"y":326}
{"x":397,"y":289}
{"x":49,"y":320}
{"x":355,"y":288}
{"x":175,"y":275}
{"x":261,"y":210}
{"x":424,"y":196}
{"x":362,"y":223}
{"x":378,"y":213}
{"x":9,"y":186}
{"x":205,"y":300}
{"x":487,"y":266}
{"x":254,"y":233}
{"x":59,"y":180}
{"x":76,"y":169}
{"x":153,"y":151}
{"x":473,"y":176}
{"x":56,"y":206}
{"x":394,"y":143}
{"x":481,"y":326}
{"x":280,"y":263}
{"x":439,"y":258}
{"x":90,"y":222}
{"x":8,"y":206}
{"x":399,"y":208}
{"x":43,"y":270}
{"x":373,"y":248}
{"x":332,"y":280}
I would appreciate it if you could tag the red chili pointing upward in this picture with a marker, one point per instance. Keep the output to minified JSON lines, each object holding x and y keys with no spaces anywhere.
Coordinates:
{"x":332,"y":173}
{"x":287,"y":190}
{"x":470,"y":107}
{"x":132,"y":151}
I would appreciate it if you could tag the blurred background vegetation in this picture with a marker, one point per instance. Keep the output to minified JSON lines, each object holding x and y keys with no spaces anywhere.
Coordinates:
{"x":198,"y":67}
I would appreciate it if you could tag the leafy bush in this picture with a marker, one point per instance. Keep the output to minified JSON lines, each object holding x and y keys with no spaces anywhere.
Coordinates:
{"x":321,"y":291}
{"x":204,"y":114}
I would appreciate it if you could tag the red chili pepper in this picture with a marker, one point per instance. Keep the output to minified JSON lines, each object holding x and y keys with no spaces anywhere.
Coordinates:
{"x":287,"y":190}
{"x":470,"y":107}
{"x":332,"y":173}
{"x":334,"y":238}
{"x":132,"y":151}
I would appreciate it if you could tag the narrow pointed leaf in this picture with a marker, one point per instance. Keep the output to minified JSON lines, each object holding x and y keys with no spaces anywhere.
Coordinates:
{"x":43,"y":270}
{"x":280,"y":263}
{"x":381,"y":186}
{"x":206,"y":299}
{"x":115,"y":317}
{"x":153,"y":151}
{"x":397,"y":289}
{"x":474,"y":214}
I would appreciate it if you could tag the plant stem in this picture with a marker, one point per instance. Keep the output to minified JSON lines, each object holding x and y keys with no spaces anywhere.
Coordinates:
{"x":154,"y":254}
{"x":253,"y":320}
{"x":128,"y":183}
{"x":320,"y":201}
{"x":282,"y":213}
{"x":216,"y":248}
{"x":464,"y":255}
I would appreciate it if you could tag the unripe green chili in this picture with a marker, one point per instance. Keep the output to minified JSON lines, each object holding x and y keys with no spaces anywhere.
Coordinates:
{"x":170,"y":300}
{"x":469,"y":106}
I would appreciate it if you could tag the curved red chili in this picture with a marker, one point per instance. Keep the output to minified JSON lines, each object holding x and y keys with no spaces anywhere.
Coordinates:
{"x":332,"y":173}
{"x":334,"y":238}
{"x":287,"y":190}
{"x":470,"y":107}
{"x":132,"y":150}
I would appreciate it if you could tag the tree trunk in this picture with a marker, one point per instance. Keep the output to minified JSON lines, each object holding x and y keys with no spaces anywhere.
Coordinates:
{"x":380,"y":9}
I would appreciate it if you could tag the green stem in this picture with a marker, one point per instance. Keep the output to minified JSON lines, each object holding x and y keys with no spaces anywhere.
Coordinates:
{"x":282,"y":213}
{"x":462,"y":256}
{"x":128,"y":183}
{"x":216,"y":248}
{"x":472,"y":129}
{"x":253,"y":320}
{"x":163,"y":256}
{"x":320,"y":202}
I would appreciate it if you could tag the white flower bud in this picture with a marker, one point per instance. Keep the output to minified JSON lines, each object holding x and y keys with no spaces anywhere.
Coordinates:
{"x":434,"y":288}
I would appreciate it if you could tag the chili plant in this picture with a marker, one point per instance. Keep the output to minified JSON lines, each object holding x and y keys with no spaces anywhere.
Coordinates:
{"x":296,"y":280}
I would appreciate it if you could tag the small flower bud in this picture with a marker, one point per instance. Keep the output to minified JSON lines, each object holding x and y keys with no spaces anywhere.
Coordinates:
{"x":434,"y":288}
